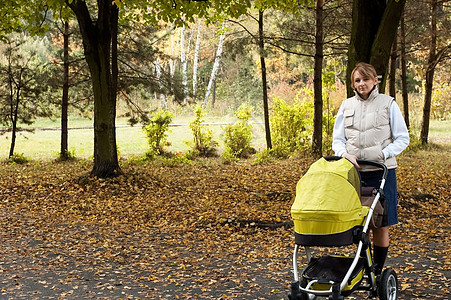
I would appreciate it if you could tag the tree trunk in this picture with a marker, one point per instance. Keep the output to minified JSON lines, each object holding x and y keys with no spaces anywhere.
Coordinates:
{"x":100,"y":47}
{"x":215,"y":66}
{"x":183,"y":61}
{"x":261,"y":44}
{"x":196,"y":59}
{"x":405,"y":97}
{"x":392,"y":77}
{"x":386,"y":35}
{"x":163,"y":101}
{"x":213,"y":94}
{"x":317,"y":139}
{"x":172,"y":61}
{"x":114,"y":23}
{"x":65,"y":99}
{"x":14,"y":115}
{"x":366,"y":17}
{"x":374,"y":25}
{"x":430,"y":68}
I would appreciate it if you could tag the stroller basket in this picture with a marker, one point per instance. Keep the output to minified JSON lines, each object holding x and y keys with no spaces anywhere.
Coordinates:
{"x":333,"y":268}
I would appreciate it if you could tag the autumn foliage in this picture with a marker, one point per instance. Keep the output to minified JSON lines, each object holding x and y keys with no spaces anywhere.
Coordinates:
{"x":200,"y":231}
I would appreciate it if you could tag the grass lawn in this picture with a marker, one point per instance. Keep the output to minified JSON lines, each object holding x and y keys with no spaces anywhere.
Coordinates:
{"x":44,"y":142}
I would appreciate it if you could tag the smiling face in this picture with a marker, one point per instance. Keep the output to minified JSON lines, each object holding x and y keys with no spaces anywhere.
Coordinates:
{"x":363,"y":84}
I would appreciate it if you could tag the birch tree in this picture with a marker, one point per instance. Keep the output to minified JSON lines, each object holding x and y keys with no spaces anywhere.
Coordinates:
{"x":195,"y":61}
{"x":214,"y":71}
{"x":163,"y":100}
{"x":183,"y":61}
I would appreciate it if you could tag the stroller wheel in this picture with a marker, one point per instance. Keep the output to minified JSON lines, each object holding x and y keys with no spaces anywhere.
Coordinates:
{"x":388,"y":288}
{"x":295,"y":293}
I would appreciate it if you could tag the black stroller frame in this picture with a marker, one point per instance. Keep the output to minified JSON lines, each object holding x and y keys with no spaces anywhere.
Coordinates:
{"x":314,"y":281}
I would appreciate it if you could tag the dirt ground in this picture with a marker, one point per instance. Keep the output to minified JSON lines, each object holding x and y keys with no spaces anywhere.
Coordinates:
{"x":30,"y":269}
{"x":211,"y":232}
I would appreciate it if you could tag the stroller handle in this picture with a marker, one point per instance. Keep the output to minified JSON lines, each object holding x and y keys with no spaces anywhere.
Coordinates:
{"x":364,"y":162}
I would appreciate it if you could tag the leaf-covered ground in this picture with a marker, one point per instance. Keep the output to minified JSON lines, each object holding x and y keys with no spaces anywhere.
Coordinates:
{"x":205,"y":231}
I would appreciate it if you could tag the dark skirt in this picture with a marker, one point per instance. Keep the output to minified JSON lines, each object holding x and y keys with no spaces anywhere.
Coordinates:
{"x":373,"y":178}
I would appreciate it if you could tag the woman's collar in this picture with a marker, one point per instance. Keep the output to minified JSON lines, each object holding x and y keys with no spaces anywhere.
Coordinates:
{"x":374,"y":92}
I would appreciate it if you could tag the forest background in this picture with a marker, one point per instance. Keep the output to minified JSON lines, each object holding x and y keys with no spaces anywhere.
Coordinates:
{"x":179,"y":226}
{"x":217,"y":66}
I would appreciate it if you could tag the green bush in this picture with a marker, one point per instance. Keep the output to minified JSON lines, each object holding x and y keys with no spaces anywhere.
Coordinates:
{"x":156,"y":133}
{"x":291,"y":126}
{"x":70,"y":155}
{"x":237,"y":137}
{"x":18,"y":158}
{"x":263,"y":157}
{"x":204,"y":145}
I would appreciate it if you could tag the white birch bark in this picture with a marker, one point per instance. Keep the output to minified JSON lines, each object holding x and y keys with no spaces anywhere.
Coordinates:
{"x":196,"y":59}
{"x":184,"y":64}
{"x":215,"y":65}
{"x":164,"y":103}
{"x":190,"y":37}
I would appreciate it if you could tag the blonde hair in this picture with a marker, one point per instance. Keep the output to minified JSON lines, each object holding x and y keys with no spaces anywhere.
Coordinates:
{"x":366,"y":70}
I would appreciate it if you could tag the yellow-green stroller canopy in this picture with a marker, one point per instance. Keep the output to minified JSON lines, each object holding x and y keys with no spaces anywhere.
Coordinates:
{"x":327,"y":206}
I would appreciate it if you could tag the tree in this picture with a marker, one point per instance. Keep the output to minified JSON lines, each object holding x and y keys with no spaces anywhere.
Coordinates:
{"x":295,"y":38}
{"x":100,"y":45}
{"x":317,"y":140}
{"x":98,"y":22}
{"x":24,"y":70}
{"x":260,"y":39}
{"x":405,"y":97}
{"x":64,"y":153}
{"x":16,"y":13}
{"x":392,"y":70}
{"x":434,"y":57}
{"x":196,"y":60}
{"x":71,"y":75}
{"x":184,"y":62}
{"x":374,"y":26}
{"x":100,"y":48}
{"x":215,"y":68}
{"x":261,"y":46}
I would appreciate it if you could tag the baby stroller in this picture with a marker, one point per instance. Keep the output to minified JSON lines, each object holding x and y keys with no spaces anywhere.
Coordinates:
{"x":328,"y":214}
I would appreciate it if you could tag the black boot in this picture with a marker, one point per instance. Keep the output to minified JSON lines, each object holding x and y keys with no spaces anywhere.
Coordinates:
{"x":380,"y":254}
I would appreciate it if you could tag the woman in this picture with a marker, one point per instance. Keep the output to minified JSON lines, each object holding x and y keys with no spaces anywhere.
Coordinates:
{"x":370,"y":126}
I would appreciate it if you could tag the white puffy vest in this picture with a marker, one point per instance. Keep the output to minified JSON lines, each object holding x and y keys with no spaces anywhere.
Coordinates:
{"x":367,"y":127}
